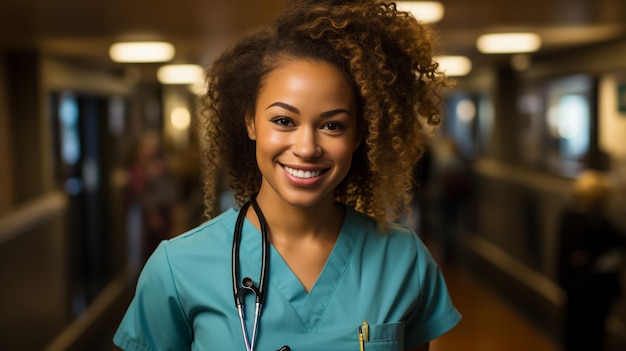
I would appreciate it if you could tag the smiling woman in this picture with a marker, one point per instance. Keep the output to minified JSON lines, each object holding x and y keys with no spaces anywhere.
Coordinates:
{"x":309,"y":127}
{"x":317,"y":119}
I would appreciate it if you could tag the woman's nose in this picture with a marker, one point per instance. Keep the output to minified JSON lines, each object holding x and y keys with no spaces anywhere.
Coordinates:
{"x":305,"y":144}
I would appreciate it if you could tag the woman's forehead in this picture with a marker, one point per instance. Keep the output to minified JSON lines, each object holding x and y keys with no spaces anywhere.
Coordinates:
{"x":307,"y":80}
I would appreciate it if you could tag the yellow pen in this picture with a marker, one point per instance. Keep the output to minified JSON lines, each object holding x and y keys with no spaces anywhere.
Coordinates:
{"x":364,"y":335}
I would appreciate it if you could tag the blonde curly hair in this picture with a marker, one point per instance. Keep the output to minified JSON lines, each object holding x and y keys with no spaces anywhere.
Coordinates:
{"x":387,"y":56}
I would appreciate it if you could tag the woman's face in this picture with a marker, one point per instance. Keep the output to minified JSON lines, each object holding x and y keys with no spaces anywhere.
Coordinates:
{"x":305,"y":128}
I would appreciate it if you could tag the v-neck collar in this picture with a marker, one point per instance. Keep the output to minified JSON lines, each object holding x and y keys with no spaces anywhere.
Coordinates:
{"x":309,"y":306}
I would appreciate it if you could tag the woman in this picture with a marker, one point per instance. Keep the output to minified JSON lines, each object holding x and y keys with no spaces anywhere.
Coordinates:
{"x":318,"y":120}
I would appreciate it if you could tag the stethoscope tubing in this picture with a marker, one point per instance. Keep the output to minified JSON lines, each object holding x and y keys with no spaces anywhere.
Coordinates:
{"x":247,"y":285}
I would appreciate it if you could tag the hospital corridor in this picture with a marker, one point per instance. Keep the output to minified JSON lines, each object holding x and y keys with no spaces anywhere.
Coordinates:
{"x":519,"y":194}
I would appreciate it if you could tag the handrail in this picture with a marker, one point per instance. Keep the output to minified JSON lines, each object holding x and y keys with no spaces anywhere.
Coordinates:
{"x":104,"y":313}
{"x":522,"y":176}
{"x":499,"y":258}
{"x":32,"y":215}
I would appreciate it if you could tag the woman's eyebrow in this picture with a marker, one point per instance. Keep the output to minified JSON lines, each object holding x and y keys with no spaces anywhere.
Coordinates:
{"x":296,"y":111}
{"x":335,"y":112}
{"x":285,"y":106}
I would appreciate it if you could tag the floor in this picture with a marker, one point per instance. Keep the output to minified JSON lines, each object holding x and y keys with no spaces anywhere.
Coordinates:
{"x":488,"y":323}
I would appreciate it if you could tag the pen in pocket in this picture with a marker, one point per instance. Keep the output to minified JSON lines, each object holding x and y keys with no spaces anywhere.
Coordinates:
{"x":364,"y":334}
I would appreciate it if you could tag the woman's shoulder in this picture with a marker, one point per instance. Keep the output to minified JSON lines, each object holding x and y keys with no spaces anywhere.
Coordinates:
{"x":395,"y":250}
{"x":359,"y":219}
{"x":185,"y":259}
{"x":393,"y":233}
{"x":212,"y":233}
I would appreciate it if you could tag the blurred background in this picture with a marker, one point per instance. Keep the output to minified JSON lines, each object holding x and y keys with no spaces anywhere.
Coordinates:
{"x":99,"y":156}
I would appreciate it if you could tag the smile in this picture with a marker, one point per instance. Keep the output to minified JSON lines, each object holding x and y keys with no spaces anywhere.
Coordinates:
{"x":298,"y":173}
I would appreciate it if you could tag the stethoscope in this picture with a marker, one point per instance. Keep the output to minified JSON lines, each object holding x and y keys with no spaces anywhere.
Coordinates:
{"x":247,"y":284}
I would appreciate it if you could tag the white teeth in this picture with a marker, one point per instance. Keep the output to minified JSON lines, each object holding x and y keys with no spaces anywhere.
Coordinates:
{"x":302,"y":174}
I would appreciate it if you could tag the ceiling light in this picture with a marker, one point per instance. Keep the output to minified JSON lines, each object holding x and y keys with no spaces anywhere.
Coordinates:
{"x":180,"y":118}
{"x":147,"y":51}
{"x":425,"y":11}
{"x":466,"y":110}
{"x":502,"y":43}
{"x":180,"y":74}
{"x":198,"y":88}
{"x":454,"y":65}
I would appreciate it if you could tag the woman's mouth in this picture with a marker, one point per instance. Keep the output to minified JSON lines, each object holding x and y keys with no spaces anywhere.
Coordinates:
{"x":298,"y":173}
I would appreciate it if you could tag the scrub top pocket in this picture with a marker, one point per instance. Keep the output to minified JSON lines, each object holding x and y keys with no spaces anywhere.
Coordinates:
{"x":388,"y":337}
{"x":383,"y":337}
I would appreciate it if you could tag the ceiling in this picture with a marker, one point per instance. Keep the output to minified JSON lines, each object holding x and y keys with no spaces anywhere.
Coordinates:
{"x":200,"y":29}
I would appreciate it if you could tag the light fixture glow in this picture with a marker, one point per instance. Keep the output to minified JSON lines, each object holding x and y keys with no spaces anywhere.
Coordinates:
{"x":198,"y":88}
{"x":180,"y":118}
{"x":454,"y":65}
{"x":466,"y":110}
{"x":425,"y":11}
{"x":180,"y":74}
{"x":147,"y":51}
{"x":502,"y":43}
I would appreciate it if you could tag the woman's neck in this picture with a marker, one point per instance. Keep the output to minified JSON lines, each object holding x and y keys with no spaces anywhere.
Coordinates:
{"x":292,"y":224}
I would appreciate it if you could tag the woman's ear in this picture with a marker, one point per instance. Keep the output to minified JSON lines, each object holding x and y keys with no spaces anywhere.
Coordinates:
{"x":250,"y":127}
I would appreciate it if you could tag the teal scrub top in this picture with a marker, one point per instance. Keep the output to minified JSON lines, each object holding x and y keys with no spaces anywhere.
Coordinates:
{"x":184,"y":297}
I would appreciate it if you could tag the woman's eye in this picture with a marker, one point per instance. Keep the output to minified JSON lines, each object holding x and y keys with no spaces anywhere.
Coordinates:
{"x":282,"y":121}
{"x":334,"y":126}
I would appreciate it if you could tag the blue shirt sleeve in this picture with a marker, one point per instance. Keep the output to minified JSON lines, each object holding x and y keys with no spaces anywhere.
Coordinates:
{"x":434,"y":313}
{"x":155,"y":319}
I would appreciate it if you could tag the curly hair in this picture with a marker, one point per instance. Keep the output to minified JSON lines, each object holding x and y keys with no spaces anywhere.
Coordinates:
{"x":387,"y":56}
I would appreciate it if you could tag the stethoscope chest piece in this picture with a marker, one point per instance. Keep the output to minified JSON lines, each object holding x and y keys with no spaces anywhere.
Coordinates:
{"x":248,"y":283}
{"x":247,"y":286}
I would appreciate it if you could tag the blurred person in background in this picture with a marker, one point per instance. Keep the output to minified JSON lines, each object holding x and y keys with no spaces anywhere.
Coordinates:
{"x":451,"y":190}
{"x":590,"y":253}
{"x":153,"y":194}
